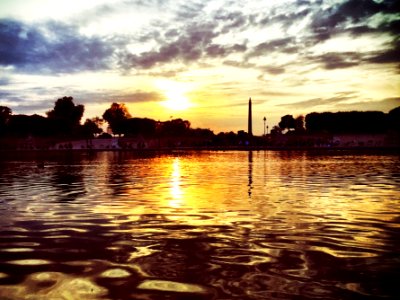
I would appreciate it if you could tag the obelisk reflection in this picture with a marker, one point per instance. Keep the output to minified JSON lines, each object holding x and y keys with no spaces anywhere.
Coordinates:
{"x":250,"y":160}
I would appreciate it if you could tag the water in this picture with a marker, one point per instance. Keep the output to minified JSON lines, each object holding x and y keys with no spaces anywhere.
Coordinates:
{"x":200,"y":225}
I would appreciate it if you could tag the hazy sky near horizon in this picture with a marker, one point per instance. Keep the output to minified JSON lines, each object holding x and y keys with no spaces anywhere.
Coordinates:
{"x":201,"y":60}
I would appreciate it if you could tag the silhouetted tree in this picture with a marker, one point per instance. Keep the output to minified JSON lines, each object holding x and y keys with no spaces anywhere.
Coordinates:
{"x":98,"y":121}
{"x":5,"y":114}
{"x":91,"y":127}
{"x":201,"y":132}
{"x":287,"y":122}
{"x":66,"y":116}
{"x":225,"y":139}
{"x":35,"y":125}
{"x":138,"y":126}
{"x":116,"y":116}
{"x":176,"y":127}
{"x":394,"y":119}
{"x":347,"y":122}
{"x":276,"y":130}
{"x":299,"y":124}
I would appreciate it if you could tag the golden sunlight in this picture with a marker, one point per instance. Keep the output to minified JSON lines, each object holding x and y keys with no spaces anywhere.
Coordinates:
{"x":175,"y":94}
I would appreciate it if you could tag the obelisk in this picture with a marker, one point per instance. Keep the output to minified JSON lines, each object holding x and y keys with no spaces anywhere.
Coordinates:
{"x":250,"y":122}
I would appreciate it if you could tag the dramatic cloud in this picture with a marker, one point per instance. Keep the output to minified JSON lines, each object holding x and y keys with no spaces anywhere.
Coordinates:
{"x":339,"y":98}
{"x":284,"y":45}
{"x":51,"y":48}
{"x":4,"y":81}
{"x":384,"y":105}
{"x":337,"y":60}
{"x":130,"y":97}
{"x":60,"y":48}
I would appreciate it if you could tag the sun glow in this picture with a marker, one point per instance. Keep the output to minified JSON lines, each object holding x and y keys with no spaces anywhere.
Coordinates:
{"x":175,"y":95}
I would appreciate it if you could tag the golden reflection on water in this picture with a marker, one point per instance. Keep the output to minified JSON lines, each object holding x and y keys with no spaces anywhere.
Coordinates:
{"x":258,"y":221}
{"x":171,"y":286}
{"x":239,"y":186}
{"x":176,"y":190}
{"x":115,"y":273}
{"x":32,"y":262}
{"x":53,"y":285}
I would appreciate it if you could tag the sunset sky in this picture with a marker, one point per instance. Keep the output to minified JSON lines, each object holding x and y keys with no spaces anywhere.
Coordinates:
{"x":201,"y":60}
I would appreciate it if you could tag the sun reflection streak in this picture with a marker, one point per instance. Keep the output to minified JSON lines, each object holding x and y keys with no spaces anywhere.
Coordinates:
{"x":176,"y":191}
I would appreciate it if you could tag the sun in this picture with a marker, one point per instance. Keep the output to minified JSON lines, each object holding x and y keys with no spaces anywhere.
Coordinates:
{"x":175,"y":95}
{"x":176,"y":101}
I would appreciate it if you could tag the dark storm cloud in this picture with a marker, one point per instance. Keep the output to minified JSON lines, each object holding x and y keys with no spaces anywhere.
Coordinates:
{"x":56,"y":47}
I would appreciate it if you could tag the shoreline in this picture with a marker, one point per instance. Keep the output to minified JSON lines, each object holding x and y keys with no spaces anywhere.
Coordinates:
{"x":382,"y":142}
{"x":207,"y":148}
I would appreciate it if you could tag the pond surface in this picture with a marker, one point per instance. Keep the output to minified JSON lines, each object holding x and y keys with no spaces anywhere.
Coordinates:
{"x":200,"y":225}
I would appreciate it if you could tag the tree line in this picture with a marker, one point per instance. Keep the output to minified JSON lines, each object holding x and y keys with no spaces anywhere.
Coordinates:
{"x":351,"y":122}
{"x":64,"y":121}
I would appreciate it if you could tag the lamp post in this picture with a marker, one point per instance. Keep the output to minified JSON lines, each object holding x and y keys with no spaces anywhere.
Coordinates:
{"x":265,"y":120}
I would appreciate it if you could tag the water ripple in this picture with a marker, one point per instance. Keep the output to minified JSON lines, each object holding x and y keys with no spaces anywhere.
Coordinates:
{"x":203,"y":225}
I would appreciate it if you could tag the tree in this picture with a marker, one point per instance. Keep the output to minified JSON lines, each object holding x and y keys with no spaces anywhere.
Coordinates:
{"x":394,"y":119}
{"x":276,"y":130}
{"x":116,"y":117}
{"x":138,"y":126}
{"x":66,"y":116}
{"x":92,"y":127}
{"x":24,"y":126}
{"x":354,"y":122}
{"x":176,"y":127}
{"x":287,"y":122}
{"x":5,"y":114}
{"x":299,"y":124}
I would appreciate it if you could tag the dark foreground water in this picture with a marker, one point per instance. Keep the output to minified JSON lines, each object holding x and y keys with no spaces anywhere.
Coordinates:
{"x":200,"y":225}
